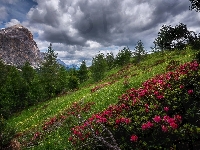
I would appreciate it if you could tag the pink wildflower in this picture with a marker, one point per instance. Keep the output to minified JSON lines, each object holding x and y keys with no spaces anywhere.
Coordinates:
{"x":159,"y":96}
{"x":164,"y":128}
{"x":146,"y":105}
{"x":170,"y":120}
{"x":134,"y":138}
{"x":190,"y":92}
{"x":118,"y":121}
{"x":147,"y":125}
{"x":165,"y":118}
{"x":166,"y":109}
{"x":173,"y":125}
{"x":157,"y":119}
{"x":178,"y":117}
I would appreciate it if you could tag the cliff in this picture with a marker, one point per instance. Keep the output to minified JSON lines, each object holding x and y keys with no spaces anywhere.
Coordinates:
{"x":17,"y":47}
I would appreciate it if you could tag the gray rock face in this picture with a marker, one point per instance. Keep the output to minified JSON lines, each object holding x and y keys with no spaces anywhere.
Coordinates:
{"x":17,"y":47}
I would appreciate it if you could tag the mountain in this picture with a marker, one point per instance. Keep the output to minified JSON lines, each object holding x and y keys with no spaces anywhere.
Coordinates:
{"x":17,"y":46}
{"x":71,"y":66}
{"x":62,"y":63}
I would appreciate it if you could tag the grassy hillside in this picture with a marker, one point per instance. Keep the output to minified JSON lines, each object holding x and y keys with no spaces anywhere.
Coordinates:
{"x":29,"y":124}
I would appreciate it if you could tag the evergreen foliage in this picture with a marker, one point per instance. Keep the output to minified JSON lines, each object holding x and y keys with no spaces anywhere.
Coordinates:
{"x":21,"y":88}
{"x":123,"y":57}
{"x":110,"y":60}
{"x":73,"y":80}
{"x":83,"y":72}
{"x":50,"y":74}
{"x":13,"y":90}
{"x":99,"y":67}
{"x":195,"y":4}
{"x":6,"y":134}
{"x":139,"y":51}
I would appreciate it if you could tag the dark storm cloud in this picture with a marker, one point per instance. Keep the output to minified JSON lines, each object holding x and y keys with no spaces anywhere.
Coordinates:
{"x":61,"y":36}
{"x":108,"y":22}
{"x":47,"y":15}
{"x":81,"y":28}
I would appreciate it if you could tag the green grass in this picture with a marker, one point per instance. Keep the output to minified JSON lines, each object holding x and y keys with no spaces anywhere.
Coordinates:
{"x":31,"y":120}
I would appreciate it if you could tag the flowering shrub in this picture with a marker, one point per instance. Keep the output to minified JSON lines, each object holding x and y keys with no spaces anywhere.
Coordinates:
{"x":162,"y":113}
{"x":69,"y":116}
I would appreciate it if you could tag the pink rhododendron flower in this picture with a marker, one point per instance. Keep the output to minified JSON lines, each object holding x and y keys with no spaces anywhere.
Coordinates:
{"x":157,"y":119}
{"x":164,"y":128}
{"x":144,"y":126}
{"x":165,"y":118}
{"x":118,"y":121}
{"x":173,"y":125}
{"x":159,"y":96}
{"x":146,"y":105}
{"x":190,"y":92}
{"x":178,"y":117}
{"x":128,"y":120}
{"x":156,"y":93}
{"x":134,"y":138}
{"x":181,"y":86}
{"x":166,"y":109}
{"x":147,"y":125}
{"x":123,"y":120}
{"x":142,"y":93}
{"x":170,"y":120}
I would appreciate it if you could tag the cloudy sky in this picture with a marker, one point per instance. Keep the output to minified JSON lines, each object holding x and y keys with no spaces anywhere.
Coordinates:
{"x":79,"y":29}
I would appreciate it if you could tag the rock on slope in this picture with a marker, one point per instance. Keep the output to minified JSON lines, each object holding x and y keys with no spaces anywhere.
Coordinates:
{"x":17,"y":46}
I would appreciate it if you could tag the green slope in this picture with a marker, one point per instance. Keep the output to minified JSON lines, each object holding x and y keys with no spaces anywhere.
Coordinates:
{"x":115,"y":84}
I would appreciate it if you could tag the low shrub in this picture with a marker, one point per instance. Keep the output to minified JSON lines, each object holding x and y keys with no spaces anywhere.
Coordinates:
{"x":162,"y":113}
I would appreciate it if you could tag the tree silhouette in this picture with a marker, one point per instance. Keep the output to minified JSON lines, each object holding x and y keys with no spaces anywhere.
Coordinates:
{"x":139,"y":51}
{"x":172,"y":37}
{"x":83,"y":72}
{"x":123,"y":57}
{"x":99,"y":67}
{"x":195,"y":5}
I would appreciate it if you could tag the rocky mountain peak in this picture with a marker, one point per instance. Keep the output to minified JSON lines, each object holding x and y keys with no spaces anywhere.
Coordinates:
{"x":17,"y":46}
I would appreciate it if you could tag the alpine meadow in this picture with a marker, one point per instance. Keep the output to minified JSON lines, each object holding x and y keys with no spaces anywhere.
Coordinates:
{"x":134,"y":100}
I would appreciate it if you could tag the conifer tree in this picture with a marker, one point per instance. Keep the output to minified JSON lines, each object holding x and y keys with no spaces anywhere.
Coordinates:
{"x":99,"y":67}
{"x":110,"y":60}
{"x":123,"y":57}
{"x":83,"y":72}
{"x":28,"y":73}
{"x":139,"y":51}
{"x":195,"y":5}
{"x":50,"y":73}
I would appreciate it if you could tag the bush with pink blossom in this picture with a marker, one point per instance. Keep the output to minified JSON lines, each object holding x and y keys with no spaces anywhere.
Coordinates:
{"x":162,"y":113}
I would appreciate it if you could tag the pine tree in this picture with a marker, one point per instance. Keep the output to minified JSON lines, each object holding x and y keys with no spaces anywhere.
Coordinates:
{"x":110,"y":60}
{"x":99,"y":67}
{"x":50,"y":73}
{"x":139,"y":51}
{"x":123,"y":57}
{"x":83,"y":72}
{"x":28,"y":73}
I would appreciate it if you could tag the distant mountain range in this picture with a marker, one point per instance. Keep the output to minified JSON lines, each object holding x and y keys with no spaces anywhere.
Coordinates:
{"x":71,"y":66}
